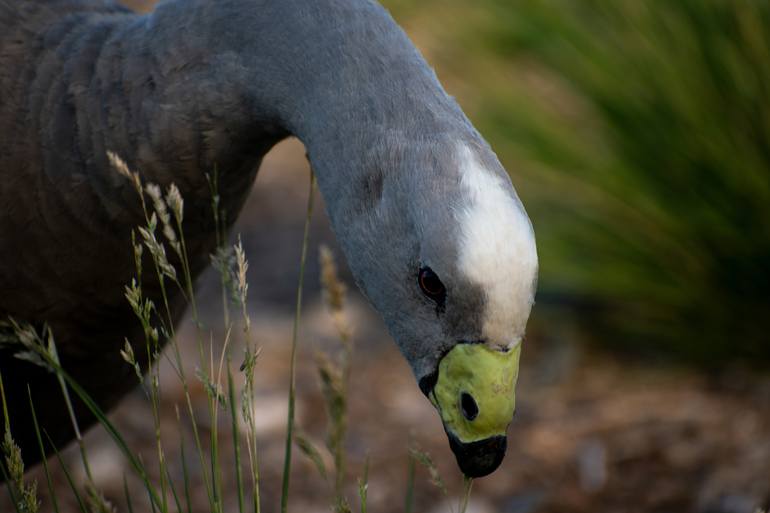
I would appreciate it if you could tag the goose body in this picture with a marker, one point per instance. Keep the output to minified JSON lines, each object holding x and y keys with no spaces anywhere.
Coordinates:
{"x":410,"y":185}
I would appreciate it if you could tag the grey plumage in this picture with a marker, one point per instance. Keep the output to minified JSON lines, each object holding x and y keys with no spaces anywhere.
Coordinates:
{"x":199,"y":84}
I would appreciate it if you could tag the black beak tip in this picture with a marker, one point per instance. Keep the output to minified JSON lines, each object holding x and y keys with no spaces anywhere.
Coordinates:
{"x":481,"y":458}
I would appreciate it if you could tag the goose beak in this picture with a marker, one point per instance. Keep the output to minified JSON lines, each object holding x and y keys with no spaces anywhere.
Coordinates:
{"x":474,"y":394}
{"x":481,"y":458}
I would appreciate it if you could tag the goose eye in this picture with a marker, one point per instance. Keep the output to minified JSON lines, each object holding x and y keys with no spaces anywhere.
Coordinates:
{"x":468,"y":406}
{"x":431,"y":285}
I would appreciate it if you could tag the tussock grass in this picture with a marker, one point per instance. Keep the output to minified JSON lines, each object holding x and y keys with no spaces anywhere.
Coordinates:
{"x":160,"y":242}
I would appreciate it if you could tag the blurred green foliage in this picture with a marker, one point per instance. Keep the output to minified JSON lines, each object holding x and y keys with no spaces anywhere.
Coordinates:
{"x":637,"y":133}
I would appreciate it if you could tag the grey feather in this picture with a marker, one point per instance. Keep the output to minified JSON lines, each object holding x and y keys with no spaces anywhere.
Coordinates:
{"x":199,"y":84}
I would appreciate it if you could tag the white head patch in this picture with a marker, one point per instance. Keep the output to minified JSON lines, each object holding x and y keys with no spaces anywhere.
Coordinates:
{"x":497,"y":251}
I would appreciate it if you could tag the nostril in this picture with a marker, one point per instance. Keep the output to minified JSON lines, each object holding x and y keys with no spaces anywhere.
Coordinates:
{"x":468,"y":406}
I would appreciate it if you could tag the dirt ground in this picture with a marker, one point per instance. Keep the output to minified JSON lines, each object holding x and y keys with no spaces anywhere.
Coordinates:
{"x":592,"y":432}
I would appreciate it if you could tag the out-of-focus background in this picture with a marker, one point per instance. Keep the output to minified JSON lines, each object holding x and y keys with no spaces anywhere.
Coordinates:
{"x":638,"y":137}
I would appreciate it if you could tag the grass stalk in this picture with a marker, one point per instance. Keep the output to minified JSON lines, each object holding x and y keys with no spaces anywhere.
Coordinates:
{"x":68,"y":477}
{"x":183,"y":457}
{"x":466,"y":496}
{"x":173,"y":202}
{"x":293,"y":364}
{"x":129,"y":504}
{"x":410,"y":473}
{"x":251,"y":354}
{"x":49,"y":358}
{"x":363,"y":486}
{"x":172,"y":488}
{"x":336,"y":376}
{"x":73,"y":419}
{"x":43,"y":459}
{"x":236,"y":438}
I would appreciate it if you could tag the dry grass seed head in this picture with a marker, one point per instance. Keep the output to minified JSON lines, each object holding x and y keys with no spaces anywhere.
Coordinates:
{"x":121,"y":167}
{"x":424,"y":459}
{"x":175,"y":202}
{"x":128,"y":355}
{"x":161,"y":209}
{"x":25,"y":493}
{"x":312,"y":453}
{"x":242,"y":267}
{"x":156,"y":248}
{"x":332,"y":386}
{"x":334,"y":295}
{"x":34,"y":348}
{"x":334,"y":289}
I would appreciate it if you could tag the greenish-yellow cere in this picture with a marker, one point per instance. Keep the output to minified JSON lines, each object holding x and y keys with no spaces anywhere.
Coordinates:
{"x":489,"y":376}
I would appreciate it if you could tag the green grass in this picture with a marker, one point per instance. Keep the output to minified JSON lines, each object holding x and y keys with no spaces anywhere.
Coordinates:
{"x":293,"y":362}
{"x":638,"y":136}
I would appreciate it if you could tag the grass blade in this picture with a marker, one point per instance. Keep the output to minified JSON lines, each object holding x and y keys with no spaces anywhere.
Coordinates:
{"x":171,"y":487}
{"x":185,"y":470}
{"x":109,"y":427}
{"x":43,"y":458}
{"x":363,"y":485}
{"x":467,"y":485}
{"x":293,"y":365}
{"x":409,"y":498}
{"x":424,"y":459}
{"x":236,"y":437}
{"x":129,"y":506}
{"x":68,"y":477}
{"x":309,"y":450}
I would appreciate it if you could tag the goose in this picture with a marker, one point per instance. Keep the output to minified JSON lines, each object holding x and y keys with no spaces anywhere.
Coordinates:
{"x":426,"y":216}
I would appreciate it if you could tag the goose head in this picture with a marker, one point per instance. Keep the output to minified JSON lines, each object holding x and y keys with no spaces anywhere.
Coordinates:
{"x":439,"y":242}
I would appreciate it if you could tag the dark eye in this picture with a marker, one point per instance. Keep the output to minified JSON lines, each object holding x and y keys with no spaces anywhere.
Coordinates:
{"x":468,"y":406}
{"x":430,"y":285}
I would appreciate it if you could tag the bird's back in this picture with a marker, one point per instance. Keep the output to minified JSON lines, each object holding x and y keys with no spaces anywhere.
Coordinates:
{"x":65,"y":251}
{"x":79,"y":78}
{"x":196,"y":87}
{"x":51,"y":212}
